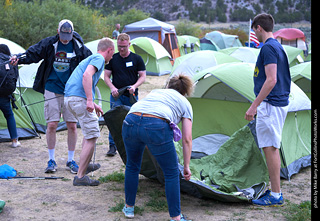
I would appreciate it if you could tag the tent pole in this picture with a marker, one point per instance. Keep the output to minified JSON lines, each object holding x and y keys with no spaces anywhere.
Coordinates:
{"x":31,"y":117}
{"x":249,"y":32}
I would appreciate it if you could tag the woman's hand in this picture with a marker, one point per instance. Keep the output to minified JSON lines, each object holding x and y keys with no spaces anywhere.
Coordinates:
{"x":186,"y":173}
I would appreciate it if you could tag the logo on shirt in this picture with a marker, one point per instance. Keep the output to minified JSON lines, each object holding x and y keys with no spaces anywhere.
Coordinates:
{"x":61,"y":62}
{"x":256,"y":72}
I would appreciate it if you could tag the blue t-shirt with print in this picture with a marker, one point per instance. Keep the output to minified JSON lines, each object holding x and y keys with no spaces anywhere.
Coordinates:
{"x":74,"y":85}
{"x":61,"y":68}
{"x":272,"y":52}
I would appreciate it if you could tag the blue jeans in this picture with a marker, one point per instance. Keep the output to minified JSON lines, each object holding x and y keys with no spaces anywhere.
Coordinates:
{"x":122,"y":100}
{"x":156,"y":134}
{"x":5,"y":107}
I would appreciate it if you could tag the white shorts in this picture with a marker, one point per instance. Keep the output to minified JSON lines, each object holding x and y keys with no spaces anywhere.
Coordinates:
{"x":269,"y":124}
{"x":89,"y":121}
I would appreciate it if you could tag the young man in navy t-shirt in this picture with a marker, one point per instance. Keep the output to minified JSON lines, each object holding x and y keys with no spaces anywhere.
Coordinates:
{"x":272,"y":83}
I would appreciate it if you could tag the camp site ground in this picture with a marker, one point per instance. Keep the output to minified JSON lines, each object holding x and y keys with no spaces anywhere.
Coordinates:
{"x":60,"y":200}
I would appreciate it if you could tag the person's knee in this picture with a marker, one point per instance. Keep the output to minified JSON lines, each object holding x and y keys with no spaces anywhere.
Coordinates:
{"x":72,"y":127}
{"x":52,"y":126}
{"x":171,"y":174}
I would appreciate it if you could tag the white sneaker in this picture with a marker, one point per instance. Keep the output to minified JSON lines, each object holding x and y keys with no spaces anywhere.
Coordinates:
{"x":15,"y":144}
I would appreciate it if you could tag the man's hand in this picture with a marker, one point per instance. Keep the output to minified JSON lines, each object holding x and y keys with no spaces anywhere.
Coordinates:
{"x":90,"y":106}
{"x":98,"y":109}
{"x":114,"y":92}
{"x":251,"y":112}
{"x":14,"y":60}
{"x":131,"y":89}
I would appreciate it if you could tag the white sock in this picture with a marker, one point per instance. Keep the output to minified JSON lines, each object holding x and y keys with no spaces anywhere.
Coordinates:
{"x":276,"y":195}
{"x":51,"y":154}
{"x":70,"y":155}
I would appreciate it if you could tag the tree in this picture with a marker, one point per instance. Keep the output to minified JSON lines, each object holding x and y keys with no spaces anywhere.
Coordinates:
{"x":26,"y":23}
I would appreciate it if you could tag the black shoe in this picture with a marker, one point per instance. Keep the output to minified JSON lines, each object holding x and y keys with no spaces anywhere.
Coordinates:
{"x":85,"y":181}
{"x":92,"y":167}
{"x":112,"y":151}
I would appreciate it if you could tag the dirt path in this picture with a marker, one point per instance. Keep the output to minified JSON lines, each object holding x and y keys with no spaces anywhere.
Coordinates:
{"x":60,"y":200}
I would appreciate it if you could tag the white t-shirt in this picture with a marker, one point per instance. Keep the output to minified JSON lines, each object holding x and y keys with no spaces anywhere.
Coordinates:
{"x":165,"y":103}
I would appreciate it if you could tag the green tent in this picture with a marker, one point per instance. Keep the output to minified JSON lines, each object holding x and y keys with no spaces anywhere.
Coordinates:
{"x":93,"y":45}
{"x":195,"y":62}
{"x":295,"y":55}
{"x":25,"y":128}
{"x":308,"y":58}
{"x":250,"y":55}
{"x":226,"y":163}
{"x":230,"y":89}
{"x":244,"y":54}
{"x":228,"y":186}
{"x":32,"y":103}
{"x":154,"y":55}
{"x":188,"y":44}
{"x":301,"y":75}
{"x":219,"y":41}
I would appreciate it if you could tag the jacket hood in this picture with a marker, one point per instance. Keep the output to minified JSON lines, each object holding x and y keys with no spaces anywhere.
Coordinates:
{"x":4,"y":57}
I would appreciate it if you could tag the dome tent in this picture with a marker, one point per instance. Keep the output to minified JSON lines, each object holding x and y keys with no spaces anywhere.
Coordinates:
{"x":154,"y":55}
{"x":159,"y":31}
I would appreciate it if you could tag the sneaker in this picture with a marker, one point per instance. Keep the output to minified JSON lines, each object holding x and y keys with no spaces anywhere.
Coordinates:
{"x":128,"y":211}
{"x":2,"y":204}
{"x":85,"y":181}
{"x":182,"y":218}
{"x":15,"y":144}
{"x":268,"y":200}
{"x":52,"y":167}
{"x":72,"y":166}
{"x":92,"y":167}
{"x":112,"y":151}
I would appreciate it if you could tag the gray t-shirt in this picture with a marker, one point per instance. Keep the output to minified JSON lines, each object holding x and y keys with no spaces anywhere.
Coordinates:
{"x":165,"y":103}
{"x":115,"y":34}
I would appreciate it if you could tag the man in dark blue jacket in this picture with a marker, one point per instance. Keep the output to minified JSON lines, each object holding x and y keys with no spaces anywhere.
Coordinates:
{"x":61,"y":54}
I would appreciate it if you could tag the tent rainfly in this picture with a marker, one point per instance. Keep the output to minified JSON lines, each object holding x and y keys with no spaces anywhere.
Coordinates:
{"x":291,"y":36}
{"x":154,"y":55}
{"x":159,"y":31}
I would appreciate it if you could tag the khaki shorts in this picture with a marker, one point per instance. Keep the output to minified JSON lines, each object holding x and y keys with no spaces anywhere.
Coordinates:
{"x":53,"y":108}
{"x":269,"y":124}
{"x":89,"y":122}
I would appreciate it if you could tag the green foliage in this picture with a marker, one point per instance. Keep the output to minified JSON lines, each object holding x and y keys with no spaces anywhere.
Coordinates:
{"x":157,"y":202}
{"x":26,"y":23}
{"x":115,"y":176}
{"x":186,"y":27}
{"x":241,"y":14}
{"x":295,"y":212}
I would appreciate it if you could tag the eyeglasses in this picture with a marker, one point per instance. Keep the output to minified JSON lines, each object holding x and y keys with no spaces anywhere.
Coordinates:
{"x":123,"y":46}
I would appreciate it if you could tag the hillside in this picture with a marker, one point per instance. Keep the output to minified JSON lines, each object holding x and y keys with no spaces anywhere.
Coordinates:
{"x":284,"y":11}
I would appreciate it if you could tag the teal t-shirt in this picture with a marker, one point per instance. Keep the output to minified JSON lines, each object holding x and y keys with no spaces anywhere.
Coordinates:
{"x":61,"y":68}
{"x":74,"y":85}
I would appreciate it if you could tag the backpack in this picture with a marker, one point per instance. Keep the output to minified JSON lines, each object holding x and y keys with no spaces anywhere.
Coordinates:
{"x":8,"y":76}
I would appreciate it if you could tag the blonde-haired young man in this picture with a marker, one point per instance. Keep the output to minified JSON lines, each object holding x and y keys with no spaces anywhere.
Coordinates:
{"x":79,"y":99}
{"x":127,"y":70}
